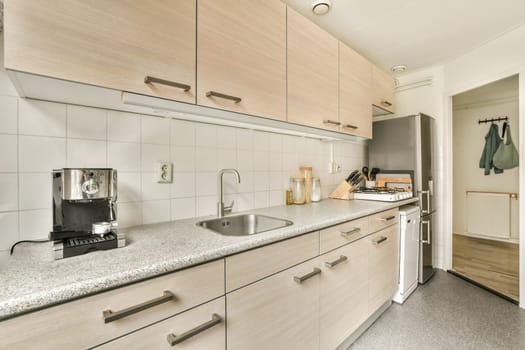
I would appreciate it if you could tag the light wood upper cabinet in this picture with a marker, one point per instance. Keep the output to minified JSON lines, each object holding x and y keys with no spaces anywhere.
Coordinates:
{"x":313,"y":74}
{"x":241,"y":55}
{"x":355,"y":98}
{"x":113,"y":44}
{"x":383,"y":90}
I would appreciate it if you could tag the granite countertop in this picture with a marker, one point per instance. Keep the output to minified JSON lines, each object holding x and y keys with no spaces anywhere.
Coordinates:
{"x":32,"y":279}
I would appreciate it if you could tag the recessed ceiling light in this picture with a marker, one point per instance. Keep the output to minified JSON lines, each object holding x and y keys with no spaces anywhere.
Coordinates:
{"x":321,"y":7}
{"x":399,"y":68}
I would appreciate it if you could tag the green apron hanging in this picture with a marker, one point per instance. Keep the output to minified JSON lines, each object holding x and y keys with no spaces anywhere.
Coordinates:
{"x":506,"y":156}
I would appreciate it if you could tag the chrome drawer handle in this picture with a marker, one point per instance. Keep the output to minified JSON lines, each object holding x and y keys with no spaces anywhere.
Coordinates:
{"x":301,"y":279}
{"x":224,"y":96}
{"x":331,"y":264}
{"x":380,"y":240}
{"x":350,"y":126}
{"x":177,"y":339}
{"x":386,"y":103}
{"x":347,"y":234}
{"x":149,"y":80}
{"x":110,"y":316}
{"x":388,"y":218}
{"x":327,"y":121}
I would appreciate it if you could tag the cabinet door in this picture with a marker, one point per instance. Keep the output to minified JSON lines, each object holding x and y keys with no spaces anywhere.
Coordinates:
{"x":277,"y":312}
{"x":199,"y":328}
{"x":344,"y":293}
{"x":113,"y":44}
{"x":383,"y":254}
{"x":355,"y":98}
{"x":313,"y":74}
{"x":383,"y":88}
{"x":241,"y":56}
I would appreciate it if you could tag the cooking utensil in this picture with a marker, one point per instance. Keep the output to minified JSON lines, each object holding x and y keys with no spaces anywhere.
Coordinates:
{"x":357,"y":180}
{"x":373,"y":173}
{"x":366,"y":173}
{"x":358,"y":174}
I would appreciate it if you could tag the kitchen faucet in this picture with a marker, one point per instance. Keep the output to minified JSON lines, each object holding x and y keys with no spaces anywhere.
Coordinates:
{"x":221,"y":208}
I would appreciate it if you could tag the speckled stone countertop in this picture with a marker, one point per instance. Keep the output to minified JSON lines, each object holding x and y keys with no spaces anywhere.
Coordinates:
{"x":30,"y":279}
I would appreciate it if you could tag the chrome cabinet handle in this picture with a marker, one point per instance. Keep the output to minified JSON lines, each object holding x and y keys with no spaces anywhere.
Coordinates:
{"x":110,"y":316}
{"x":350,"y":126}
{"x":301,"y":279}
{"x":347,"y":234}
{"x":427,"y":224}
{"x":177,"y":339}
{"x":339,"y":260}
{"x":149,"y":80}
{"x":380,"y":240}
{"x":386,"y":103}
{"x":388,"y":218}
{"x":224,"y":96}
{"x":333,"y":122}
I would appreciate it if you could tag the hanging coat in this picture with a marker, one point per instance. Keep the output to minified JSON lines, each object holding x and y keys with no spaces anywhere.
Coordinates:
{"x":492,"y":141}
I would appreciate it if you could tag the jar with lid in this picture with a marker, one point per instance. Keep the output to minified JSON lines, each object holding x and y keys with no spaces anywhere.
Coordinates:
{"x":316,"y":189}
{"x":306,"y":174}
{"x":298,"y":190}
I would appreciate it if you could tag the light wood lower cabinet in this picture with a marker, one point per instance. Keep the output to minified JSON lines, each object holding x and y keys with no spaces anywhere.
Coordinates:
{"x":339,"y":235}
{"x":200,"y":328}
{"x":343,"y":293}
{"x":278,"y":312}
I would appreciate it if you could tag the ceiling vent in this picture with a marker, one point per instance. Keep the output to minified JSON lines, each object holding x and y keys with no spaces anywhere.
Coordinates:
{"x":321,"y":7}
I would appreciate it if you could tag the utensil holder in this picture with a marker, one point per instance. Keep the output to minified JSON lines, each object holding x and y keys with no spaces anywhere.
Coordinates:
{"x":343,"y":191}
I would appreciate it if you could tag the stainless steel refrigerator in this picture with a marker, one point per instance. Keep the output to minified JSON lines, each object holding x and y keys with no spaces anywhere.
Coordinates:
{"x":407,"y":143}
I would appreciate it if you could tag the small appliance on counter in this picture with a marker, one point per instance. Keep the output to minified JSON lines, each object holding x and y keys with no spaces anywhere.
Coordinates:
{"x":84,"y":213}
{"x":391,"y":186}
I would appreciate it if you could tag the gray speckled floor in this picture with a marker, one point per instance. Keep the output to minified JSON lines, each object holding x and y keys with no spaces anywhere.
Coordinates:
{"x":447,"y":313}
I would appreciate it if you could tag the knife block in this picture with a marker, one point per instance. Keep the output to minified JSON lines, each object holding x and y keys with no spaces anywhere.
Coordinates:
{"x":343,"y":191}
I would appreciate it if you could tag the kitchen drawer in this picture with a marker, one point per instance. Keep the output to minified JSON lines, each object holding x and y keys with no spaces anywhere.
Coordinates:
{"x":384,"y":219}
{"x":80,"y":324}
{"x":195,"y":321}
{"x":339,"y":235}
{"x":383,"y":255}
{"x":250,"y":266}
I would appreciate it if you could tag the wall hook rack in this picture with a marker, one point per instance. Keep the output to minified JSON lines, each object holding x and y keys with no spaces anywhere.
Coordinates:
{"x":499,"y":119}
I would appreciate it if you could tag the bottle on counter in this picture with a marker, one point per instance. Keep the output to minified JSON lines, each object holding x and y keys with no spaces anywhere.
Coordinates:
{"x":289,"y":196}
{"x":316,"y":189}
{"x":298,"y":190}
{"x":306,"y":174}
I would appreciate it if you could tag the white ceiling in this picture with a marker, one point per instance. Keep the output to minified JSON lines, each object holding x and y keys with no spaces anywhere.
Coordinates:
{"x":418,"y":33}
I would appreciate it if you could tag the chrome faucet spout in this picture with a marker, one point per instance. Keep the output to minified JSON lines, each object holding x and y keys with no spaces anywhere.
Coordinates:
{"x":221,"y":208}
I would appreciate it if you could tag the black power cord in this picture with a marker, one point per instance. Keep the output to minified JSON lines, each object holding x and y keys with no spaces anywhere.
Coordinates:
{"x":26,"y":241}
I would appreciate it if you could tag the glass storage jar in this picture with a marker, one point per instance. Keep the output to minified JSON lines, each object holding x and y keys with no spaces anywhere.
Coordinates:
{"x":298,"y":190}
{"x":316,"y":189}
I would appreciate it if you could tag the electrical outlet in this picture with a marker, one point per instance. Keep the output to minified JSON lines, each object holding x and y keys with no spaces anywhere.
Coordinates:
{"x":333,"y":168}
{"x":164,"y":172}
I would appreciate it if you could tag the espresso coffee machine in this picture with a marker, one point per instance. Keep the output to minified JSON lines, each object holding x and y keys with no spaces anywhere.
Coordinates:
{"x":84,"y":211}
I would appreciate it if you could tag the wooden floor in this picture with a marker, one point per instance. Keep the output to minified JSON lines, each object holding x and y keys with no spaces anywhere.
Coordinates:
{"x":493,"y":264}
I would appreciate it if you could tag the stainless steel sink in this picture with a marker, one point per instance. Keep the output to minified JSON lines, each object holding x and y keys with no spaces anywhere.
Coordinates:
{"x":244,"y":225}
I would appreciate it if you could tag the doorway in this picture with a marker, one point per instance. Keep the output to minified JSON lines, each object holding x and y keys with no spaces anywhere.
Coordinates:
{"x":485,"y":246}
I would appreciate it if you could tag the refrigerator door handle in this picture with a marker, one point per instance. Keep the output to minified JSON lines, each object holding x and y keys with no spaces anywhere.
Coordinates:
{"x":427,"y":224}
{"x":427,"y":209}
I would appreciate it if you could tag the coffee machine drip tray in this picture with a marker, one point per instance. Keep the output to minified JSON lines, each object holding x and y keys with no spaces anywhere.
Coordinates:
{"x":81,"y":245}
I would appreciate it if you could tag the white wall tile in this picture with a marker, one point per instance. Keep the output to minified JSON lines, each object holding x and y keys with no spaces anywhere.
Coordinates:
{"x":86,"y":123}
{"x":151,"y":189}
{"x":42,"y":118}
{"x":129,"y":214}
{"x":277,"y":198}
{"x":290,"y":143}
{"x":206,"y":206}
{"x":156,"y":211}
{"x":9,"y":190}
{"x":244,"y":160}
{"x":124,"y":127}
{"x":290,"y":162}
{"x":205,"y":159}
{"x":243,"y":201}
{"x":183,"y":185}
{"x":8,"y":153}
{"x":276,"y":180}
{"x":206,"y":184}
{"x":205,"y":135}
{"x":124,"y":156}
{"x":152,"y":155}
{"x":35,"y":191}
{"x":8,"y":115}
{"x":129,"y":187}
{"x":261,"y":161}
{"x":244,"y":139}
{"x":226,"y":137}
{"x":155,"y":130}
{"x":36,"y":224}
{"x":41,"y":154}
{"x":261,"y":199}
{"x":86,"y":153}
{"x":276,"y":161}
{"x":226,"y":158}
{"x":182,"y":133}
{"x":276,"y":142}
{"x":183,"y":158}
{"x":246,"y":184}
{"x":261,"y":141}
{"x":261,"y":181}
{"x":8,"y":229}
{"x":182,"y":208}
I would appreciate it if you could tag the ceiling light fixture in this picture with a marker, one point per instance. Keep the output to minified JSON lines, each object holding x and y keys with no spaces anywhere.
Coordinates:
{"x":400,"y":68}
{"x":321,"y":7}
